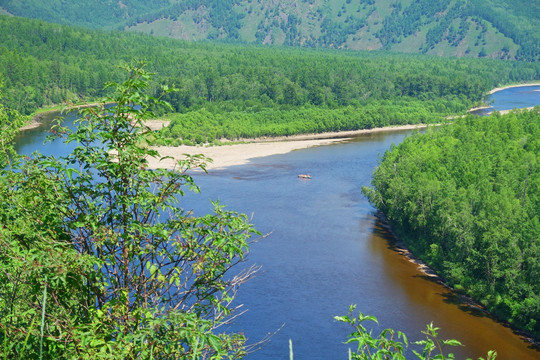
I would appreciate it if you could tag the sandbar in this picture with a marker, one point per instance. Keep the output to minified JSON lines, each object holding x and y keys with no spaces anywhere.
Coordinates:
{"x":240,"y":154}
{"x":157,"y":124}
{"x":31,"y":125}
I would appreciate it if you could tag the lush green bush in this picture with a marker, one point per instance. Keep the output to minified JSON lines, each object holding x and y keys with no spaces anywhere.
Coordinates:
{"x":98,"y":259}
{"x":392,"y":344}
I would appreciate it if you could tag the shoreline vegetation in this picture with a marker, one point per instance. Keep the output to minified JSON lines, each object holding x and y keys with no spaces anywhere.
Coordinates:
{"x":240,"y":154}
{"x":399,"y":245}
{"x":37,"y":119}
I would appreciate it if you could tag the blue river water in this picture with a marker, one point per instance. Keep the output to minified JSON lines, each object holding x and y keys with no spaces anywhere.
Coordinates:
{"x":516,"y":97}
{"x":325,"y":250}
{"x":510,"y":98}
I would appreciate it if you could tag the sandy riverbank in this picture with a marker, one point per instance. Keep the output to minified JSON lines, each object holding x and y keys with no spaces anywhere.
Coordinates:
{"x":503,"y":112}
{"x":478,"y":108}
{"x":512,"y":86}
{"x":503,"y":88}
{"x":37,"y":120}
{"x":239,"y":154}
{"x":31,"y":125}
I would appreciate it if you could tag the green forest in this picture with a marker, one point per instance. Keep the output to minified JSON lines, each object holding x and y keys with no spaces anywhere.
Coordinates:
{"x":465,"y":198}
{"x":245,"y":91}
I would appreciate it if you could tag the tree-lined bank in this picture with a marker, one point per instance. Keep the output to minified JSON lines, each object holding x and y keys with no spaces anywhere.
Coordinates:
{"x":465,"y":199}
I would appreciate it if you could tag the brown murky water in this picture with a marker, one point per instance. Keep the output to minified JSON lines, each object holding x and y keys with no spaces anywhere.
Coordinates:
{"x":476,"y":329}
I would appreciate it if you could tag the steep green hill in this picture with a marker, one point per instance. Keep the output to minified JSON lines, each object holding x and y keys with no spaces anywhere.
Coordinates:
{"x":505,"y":29}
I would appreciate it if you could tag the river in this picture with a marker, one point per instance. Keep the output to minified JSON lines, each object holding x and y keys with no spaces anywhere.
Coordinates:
{"x":326,"y":250}
{"x":510,"y":98}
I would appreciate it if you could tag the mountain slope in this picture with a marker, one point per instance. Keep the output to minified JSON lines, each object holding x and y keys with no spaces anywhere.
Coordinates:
{"x":43,"y":64}
{"x":88,"y":13}
{"x":480,"y":28}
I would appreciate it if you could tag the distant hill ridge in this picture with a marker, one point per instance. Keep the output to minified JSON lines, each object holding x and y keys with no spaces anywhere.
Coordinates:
{"x":506,"y":29}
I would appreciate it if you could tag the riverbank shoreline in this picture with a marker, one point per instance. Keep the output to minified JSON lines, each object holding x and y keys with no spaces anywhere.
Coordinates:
{"x":240,"y":154}
{"x":512,"y":86}
{"x":36,"y":118}
{"x":398,"y":245}
{"x":236,"y":154}
{"x":478,"y":108}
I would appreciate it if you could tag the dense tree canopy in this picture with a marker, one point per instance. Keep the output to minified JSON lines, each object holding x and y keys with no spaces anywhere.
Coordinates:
{"x":46,"y":64}
{"x":208,"y":125}
{"x":466,"y":199}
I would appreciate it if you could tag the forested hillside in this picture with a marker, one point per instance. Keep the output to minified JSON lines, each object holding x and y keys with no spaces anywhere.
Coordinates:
{"x":88,"y":13}
{"x":475,"y":28}
{"x":245,"y":91}
{"x":466,"y":199}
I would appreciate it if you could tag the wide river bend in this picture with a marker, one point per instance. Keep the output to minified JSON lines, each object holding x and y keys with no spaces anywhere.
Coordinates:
{"x":327,"y":250}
